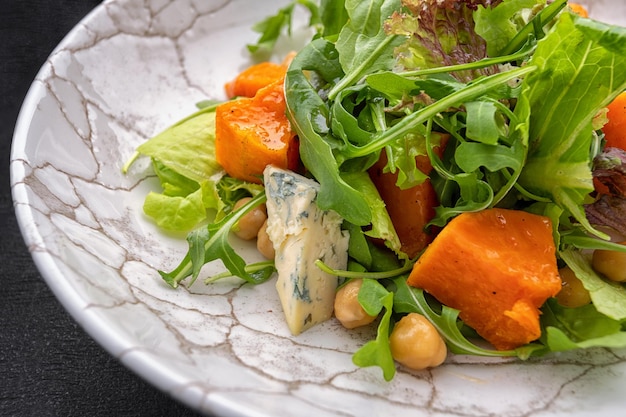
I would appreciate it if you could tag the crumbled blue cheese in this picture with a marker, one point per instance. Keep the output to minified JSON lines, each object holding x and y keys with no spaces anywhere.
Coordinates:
{"x":301,"y":234}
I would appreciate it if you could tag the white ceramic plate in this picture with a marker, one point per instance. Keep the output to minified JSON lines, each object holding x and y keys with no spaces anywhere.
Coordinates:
{"x":130,"y":69}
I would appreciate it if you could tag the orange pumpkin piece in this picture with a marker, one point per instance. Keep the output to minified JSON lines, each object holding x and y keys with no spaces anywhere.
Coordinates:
{"x":615,"y":129}
{"x":497,"y":267}
{"x":410,"y":209}
{"x":257,"y":76}
{"x":579,"y":9}
{"x":251,"y":133}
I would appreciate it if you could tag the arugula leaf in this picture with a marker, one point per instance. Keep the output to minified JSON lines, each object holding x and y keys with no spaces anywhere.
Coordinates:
{"x":359,"y":246}
{"x":271,"y":28}
{"x":382,"y":227}
{"x":334,"y":141}
{"x":473,"y":195}
{"x":413,"y":120}
{"x":212,"y":243}
{"x":558,"y":340}
{"x":412,"y":300}
{"x":258,"y":272}
{"x":580,"y":240}
{"x":579,"y":328}
{"x":470,"y":156}
{"x":578,"y":74}
{"x":230,"y":190}
{"x":401,"y":158}
{"x":373,"y":297}
{"x":363,"y":45}
{"x":347,"y":122}
{"x":366,"y":255}
{"x":395,"y":87}
{"x":334,"y":16}
{"x":309,"y":114}
{"x":484,"y":123}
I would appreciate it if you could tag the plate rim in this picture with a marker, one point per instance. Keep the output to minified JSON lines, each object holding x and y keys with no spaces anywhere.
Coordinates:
{"x":142,"y":363}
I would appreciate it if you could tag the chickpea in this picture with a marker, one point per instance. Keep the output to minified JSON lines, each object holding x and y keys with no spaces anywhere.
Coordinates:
{"x":263,"y":243}
{"x":573,"y":294}
{"x":248,"y":226}
{"x":348,"y":310}
{"x":416,"y":344}
{"x":610,"y":263}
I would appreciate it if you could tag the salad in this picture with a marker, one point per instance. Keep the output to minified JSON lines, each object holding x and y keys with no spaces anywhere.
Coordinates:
{"x":446,"y":170}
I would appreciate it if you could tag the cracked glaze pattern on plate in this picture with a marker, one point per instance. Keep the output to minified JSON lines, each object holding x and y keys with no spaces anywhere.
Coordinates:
{"x":127,"y":71}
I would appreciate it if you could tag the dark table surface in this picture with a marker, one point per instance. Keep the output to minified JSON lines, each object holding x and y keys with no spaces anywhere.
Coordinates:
{"x":48,"y":365}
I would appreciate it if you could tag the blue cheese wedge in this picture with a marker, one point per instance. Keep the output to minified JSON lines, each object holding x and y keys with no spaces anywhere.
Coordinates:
{"x":301,"y":234}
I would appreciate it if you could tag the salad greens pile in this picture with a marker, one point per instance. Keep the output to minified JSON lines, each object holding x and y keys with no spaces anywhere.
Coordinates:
{"x":517,"y":85}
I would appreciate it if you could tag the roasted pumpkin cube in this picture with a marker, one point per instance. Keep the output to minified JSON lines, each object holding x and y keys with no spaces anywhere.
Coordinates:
{"x":251,"y":133}
{"x":497,"y":267}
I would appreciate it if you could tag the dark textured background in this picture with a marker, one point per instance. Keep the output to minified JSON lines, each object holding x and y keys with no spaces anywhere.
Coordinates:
{"x":48,"y":365}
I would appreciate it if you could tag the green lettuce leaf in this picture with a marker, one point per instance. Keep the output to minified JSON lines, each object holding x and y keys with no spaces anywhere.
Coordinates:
{"x":609,"y":298}
{"x":175,"y":213}
{"x":499,"y":25}
{"x":183,"y":157}
{"x":363,"y":45}
{"x":577,"y":76}
{"x":188,"y":147}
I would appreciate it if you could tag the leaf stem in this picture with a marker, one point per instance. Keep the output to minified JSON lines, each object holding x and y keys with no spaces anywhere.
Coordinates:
{"x":536,"y":25}
{"x":485,"y":62}
{"x":250,"y":269}
{"x":186,"y":267}
{"x":130,"y":161}
{"x":360,"y":274}
{"x":358,"y":72}
{"x":409,"y":123}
